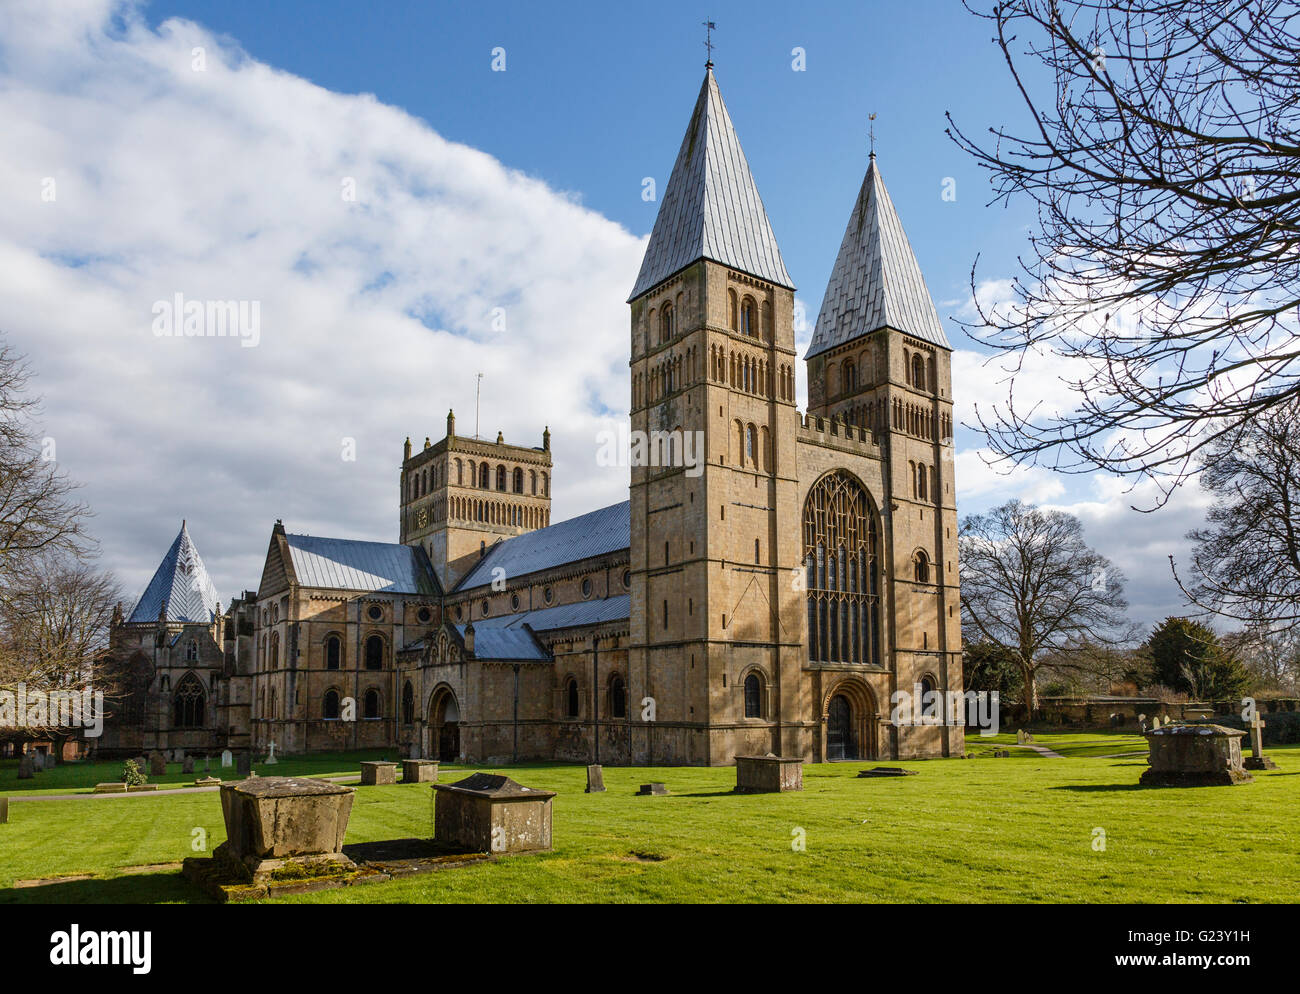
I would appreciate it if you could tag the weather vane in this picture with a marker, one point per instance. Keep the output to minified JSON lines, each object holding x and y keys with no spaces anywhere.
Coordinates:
{"x":871,"y":134}
{"x":709,"y":28}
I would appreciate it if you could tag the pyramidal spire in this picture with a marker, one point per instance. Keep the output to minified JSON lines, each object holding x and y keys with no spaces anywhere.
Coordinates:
{"x":180,"y":586}
{"x":711,"y":208}
{"x":876,"y":282}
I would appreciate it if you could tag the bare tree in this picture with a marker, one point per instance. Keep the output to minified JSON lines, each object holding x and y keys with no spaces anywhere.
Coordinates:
{"x":1161,"y":153}
{"x":1246,"y":563}
{"x":1031,"y":585}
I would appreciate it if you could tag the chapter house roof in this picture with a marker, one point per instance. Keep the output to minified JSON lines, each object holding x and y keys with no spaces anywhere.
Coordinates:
{"x":346,"y":564}
{"x":876,"y":282}
{"x":181,"y":584}
{"x":711,"y":208}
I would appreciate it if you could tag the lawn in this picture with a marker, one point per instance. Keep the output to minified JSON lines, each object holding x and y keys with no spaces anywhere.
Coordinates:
{"x":982,"y":830}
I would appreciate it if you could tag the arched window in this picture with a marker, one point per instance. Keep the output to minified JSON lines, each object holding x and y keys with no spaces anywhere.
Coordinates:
{"x":571,"y":698}
{"x":667,"y":323}
{"x":188,"y":703}
{"x":922,"y":486}
{"x":460,"y":473}
{"x":408,"y":704}
{"x":617,"y":697}
{"x":767,"y":321}
{"x":747,"y":323}
{"x":192,"y":651}
{"x":519,"y":480}
{"x":484,"y":480}
{"x":850,"y":376}
{"x":922,"y":562}
{"x":375,"y":653}
{"x":331,"y":711}
{"x":546,"y":485}
{"x":501,"y":477}
{"x":275,"y":650}
{"x":751,"y":446}
{"x":918,"y":371}
{"x":333,"y":652}
{"x":928,"y":709}
{"x":753,"y":696}
{"x":842,"y":564}
{"x":371,"y":704}
{"x":733,"y":311}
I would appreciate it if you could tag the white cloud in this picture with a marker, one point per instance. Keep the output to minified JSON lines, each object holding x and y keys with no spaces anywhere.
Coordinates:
{"x":376,"y":314}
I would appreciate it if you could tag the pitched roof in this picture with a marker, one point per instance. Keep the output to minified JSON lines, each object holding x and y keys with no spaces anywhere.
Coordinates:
{"x":182,"y":584}
{"x":510,"y":636}
{"x":876,"y":282}
{"x":593,"y":534}
{"x":346,"y":564}
{"x":711,"y":208}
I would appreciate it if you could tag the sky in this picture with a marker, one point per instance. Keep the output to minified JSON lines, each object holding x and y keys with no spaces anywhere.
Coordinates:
{"x":415,"y":193}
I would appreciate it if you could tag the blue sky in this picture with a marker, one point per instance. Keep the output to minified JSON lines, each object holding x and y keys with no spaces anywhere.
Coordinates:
{"x":478,"y":191}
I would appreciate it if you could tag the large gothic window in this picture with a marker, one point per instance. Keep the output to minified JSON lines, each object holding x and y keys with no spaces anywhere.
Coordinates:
{"x":188,"y":703}
{"x":842,"y":566}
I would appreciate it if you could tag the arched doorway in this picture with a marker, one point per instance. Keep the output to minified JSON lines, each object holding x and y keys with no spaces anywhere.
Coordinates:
{"x":841,"y":743}
{"x":444,"y":725}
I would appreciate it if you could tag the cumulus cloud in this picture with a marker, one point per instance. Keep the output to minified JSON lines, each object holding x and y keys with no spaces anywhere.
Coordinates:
{"x":142,"y":163}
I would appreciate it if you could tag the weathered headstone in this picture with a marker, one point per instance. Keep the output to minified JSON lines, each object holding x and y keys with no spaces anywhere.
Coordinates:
{"x":4,"y":810}
{"x":595,"y":780}
{"x":207,"y":765}
{"x":487,"y":812}
{"x":768,"y":774}
{"x":157,"y":764}
{"x":1001,"y":754}
{"x":25,"y":771}
{"x":270,"y":755}
{"x":373,"y":774}
{"x":419,"y":771}
{"x":38,"y":762}
{"x":227,"y":759}
{"x":1257,"y":760}
{"x":244,"y":763}
{"x":653,"y":790}
{"x":187,"y":764}
{"x":1195,"y":755}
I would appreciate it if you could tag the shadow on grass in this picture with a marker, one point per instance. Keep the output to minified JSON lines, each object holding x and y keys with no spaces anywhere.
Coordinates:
{"x":135,"y":888}
{"x":1088,"y":788}
{"x":728,"y":792}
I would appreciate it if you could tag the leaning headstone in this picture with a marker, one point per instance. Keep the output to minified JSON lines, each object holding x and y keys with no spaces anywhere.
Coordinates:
{"x":25,"y":771}
{"x":187,"y":764}
{"x":1195,"y":755}
{"x":227,"y":759}
{"x":652,"y":790}
{"x":487,"y":812}
{"x":270,"y":755}
{"x":373,"y":774}
{"x":244,"y":763}
{"x":595,"y":780}
{"x":1257,"y":760}
{"x":157,"y":764}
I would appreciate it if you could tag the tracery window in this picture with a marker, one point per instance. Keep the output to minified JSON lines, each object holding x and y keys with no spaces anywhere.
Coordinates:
{"x":842,"y":565}
{"x":188,"y":703}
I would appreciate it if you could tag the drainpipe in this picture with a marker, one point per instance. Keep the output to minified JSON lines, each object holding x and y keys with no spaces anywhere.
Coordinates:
{"x":514,"y":755}
{"x":595,"y":698}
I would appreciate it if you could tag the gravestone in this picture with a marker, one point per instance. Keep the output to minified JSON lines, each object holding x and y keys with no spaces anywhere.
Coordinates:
{"x":653,"y":790}
{"x":244,"y":763}
{"x":187,"y":764}
{"x":25,"y":771}
{"x":226,"y":759}
{"x":419,"y":771}
{"x":38,"y":762}
{"x":1195,"y":755}
{"x":4,"y":810}
{"x":595,"y":780}
{"x":373,"y":774}
{"x":157,"y":764}
{"x":487,"y":812}
{"x":1001,"y":754}
{"x":887,"y":771}
{"x":768,"y":774}
{"x":275,"y":821}
{"x":207,"y":767}
{"x":270,"y":755}
{"x":1257,"y":760}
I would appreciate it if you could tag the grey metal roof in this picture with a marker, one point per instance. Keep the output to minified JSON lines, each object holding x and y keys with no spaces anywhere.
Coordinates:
{"x":345,"y":564}
{"x":182,"y":584}
{"x":593,"y":534}
{"x":711,"y":208}
{"x":510,"y":636}
{"x":876,"y":282}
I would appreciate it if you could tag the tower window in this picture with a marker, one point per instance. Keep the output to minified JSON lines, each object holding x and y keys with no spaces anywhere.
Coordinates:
{"x":753,"y":696}
{"x":922,"y":562}
{"x":747,"y":324}
{"x":371,"y":704}
{"x":375,"y":653}
{"x":333,"y":652}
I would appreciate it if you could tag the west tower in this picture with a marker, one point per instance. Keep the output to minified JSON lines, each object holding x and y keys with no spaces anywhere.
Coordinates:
{"x":713,"y":544}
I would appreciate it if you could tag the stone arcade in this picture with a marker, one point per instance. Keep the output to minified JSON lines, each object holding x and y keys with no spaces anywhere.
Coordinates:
{"x":768,"y":600}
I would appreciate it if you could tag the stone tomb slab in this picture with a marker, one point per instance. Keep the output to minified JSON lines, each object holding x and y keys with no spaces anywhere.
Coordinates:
{"x":284,"y":827}
{"x":1195,"y":756}
{"x":488,"y":812}
{"x":419,"y":771}
{"x":768,"y":774}
{"x":887,"y":771}
{"x":373,"y":774}
{"x":653,"y":790}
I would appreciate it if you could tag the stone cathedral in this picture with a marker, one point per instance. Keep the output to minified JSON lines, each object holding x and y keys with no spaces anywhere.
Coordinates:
{"x":773,"y":598}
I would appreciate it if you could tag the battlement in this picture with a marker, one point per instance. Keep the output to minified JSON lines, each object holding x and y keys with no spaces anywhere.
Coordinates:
{"x":837,"y":434}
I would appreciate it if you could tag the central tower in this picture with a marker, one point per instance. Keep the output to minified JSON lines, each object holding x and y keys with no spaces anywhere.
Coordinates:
{"x":714,"y":535}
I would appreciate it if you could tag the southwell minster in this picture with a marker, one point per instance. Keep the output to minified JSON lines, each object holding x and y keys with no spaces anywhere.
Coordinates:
{"x":770,"y":596}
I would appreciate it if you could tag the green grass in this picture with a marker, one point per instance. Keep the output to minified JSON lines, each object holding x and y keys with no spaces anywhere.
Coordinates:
{"x":982,"y":830}
{"x":81,"y":777}
{"x":1070,"y":744}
